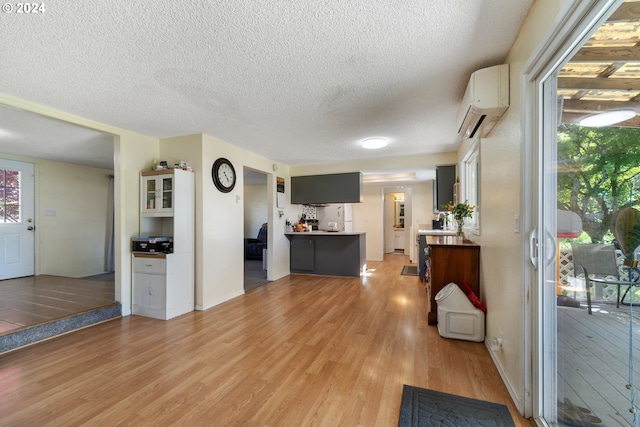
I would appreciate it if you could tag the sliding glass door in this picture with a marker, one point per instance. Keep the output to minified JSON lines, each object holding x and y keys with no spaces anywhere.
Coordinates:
{"x":586,"y":349}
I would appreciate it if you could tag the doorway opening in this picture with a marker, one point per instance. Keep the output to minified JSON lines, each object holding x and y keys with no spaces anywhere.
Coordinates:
{"x":397,"y":220}
{"x":70,"y":265}
{"x":256,"y":217}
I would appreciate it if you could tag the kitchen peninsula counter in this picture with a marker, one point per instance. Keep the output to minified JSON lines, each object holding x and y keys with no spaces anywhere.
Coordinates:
{"x":339,"y":253}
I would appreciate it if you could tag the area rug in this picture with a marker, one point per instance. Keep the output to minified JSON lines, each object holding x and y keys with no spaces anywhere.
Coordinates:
{"x":410,"y":270}
{"x":426,"y":408}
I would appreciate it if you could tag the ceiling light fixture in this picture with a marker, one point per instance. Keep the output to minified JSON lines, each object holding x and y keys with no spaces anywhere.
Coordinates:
{"x":607,"y":118}
{"x":374,"y":143}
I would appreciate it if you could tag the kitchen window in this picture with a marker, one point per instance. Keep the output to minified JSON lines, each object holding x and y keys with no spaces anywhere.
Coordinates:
{"x":471,"y":184}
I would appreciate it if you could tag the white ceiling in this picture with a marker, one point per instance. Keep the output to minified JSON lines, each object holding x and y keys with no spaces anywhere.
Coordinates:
{"x":298,"y":82}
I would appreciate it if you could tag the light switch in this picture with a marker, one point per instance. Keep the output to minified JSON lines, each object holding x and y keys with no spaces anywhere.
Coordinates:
{"x":49,"y":212}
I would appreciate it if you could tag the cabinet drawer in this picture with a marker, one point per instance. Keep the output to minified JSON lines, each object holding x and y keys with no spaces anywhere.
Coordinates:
{"x":149,"y":265}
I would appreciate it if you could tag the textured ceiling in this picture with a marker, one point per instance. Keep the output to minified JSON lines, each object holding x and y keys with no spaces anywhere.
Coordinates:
{"x":298,"y":82}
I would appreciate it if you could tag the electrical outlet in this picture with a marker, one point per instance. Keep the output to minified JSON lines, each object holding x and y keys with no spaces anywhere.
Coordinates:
{"x":496,"y":345}
{"x":516,"y":224}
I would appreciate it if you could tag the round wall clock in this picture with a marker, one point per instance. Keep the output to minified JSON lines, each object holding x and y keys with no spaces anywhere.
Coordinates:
{"x":223,"y":175}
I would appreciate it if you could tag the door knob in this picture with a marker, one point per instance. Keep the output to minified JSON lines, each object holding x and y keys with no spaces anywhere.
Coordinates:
{"x":31,"y":228}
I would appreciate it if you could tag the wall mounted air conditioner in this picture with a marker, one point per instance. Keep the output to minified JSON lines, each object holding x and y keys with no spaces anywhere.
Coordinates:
{"x":485,"y":101}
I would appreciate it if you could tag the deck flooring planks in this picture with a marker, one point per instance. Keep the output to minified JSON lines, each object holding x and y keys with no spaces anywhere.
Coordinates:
{"x":593,"y":360}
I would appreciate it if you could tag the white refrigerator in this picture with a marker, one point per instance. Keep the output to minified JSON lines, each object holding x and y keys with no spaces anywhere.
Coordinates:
{"x":340,"y":213}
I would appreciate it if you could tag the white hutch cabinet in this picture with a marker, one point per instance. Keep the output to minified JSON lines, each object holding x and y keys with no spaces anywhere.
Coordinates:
{"x":164,"y":284}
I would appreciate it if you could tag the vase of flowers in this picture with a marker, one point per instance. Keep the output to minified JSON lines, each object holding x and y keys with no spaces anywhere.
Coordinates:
{"x":460,"y":212}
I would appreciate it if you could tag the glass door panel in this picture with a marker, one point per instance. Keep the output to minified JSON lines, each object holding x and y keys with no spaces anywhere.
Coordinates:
{"x":588,"y":174}
{"x":167,"y":193}
{"x":151,"y":193}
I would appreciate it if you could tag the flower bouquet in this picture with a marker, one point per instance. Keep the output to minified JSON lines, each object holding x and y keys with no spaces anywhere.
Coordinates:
{"x":460,"y":212}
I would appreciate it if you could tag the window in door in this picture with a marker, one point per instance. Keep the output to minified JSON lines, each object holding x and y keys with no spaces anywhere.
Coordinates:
{"x":9,"y":196}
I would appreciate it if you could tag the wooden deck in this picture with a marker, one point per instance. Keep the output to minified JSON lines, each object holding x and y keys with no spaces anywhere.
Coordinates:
{"x":593,"y":361}
{"x":34,"y":300}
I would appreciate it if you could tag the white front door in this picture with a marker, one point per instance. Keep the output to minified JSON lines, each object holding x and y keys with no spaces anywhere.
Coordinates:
{"x":17,"y":235}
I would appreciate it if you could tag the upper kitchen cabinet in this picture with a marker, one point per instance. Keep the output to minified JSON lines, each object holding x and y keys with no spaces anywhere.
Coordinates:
{"x":157,"y":193}
{"x":331,"y":188}
{"x":443,"y":192}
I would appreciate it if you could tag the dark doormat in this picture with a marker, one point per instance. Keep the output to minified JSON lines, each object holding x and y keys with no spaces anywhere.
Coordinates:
{"x":426,"y":408}
{"x":410,"y":270}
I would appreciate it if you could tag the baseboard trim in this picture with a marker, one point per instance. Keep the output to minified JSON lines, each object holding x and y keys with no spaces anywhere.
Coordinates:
{"x":512,"y":392}
{"x":219,"y":301}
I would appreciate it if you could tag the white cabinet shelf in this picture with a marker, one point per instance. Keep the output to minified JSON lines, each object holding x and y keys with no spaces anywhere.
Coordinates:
{"x":164,"y":284}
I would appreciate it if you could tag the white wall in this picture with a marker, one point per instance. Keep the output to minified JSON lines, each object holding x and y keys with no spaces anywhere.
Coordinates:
{"x":367,"y":217}
{"x":255,"y":209}
{"x":220,"y":216}
{"x":72,"y":238}
{"x":501,"y":181}
{"x":422,"y":204}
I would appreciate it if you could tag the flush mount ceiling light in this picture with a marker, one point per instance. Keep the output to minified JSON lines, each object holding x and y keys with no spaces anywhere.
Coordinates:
{"x":374,"y":143}
{"x":607,"y":118}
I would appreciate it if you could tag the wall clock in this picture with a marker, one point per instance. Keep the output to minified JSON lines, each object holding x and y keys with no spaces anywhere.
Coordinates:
{"x":223,"y":175}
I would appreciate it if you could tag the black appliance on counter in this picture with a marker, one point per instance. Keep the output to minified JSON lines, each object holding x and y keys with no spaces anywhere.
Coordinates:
{"x":314,"y":223}
{"x":152,"y":244}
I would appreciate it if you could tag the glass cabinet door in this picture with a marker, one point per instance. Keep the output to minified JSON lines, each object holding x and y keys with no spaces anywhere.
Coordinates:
{"x":150,"y":194}
{"x":167,"y":193}
{"x":156,"y":197}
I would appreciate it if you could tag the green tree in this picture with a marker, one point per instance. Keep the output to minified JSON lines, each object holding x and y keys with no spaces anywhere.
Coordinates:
{"x":596,"y":170}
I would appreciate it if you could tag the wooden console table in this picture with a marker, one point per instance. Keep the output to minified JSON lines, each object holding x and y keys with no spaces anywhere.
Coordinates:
{"x":451,"y":259}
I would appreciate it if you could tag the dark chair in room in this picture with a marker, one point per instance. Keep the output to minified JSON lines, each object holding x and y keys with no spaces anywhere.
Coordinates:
{"x":253,"y":247}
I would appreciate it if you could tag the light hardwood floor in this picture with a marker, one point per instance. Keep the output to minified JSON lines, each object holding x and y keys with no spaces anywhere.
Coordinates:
{"x":302,"y":350}
{"x":35,"y":300}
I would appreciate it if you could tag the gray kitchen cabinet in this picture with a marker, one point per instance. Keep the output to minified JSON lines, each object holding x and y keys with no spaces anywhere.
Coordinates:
{"x":302,"y":254}
{"x":443,"y":186}
{"x":328,"y":253}
{"x":330,"y":188}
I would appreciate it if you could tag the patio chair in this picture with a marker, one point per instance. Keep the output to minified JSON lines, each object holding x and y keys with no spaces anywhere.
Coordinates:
{"x":599,"y":263}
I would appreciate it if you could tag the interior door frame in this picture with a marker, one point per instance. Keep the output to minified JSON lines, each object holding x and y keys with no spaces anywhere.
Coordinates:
{"x":572,"y":27}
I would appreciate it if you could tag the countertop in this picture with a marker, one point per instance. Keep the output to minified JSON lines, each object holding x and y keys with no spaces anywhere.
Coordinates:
{"x":449,"y":241}
{"x":324,"y":233}
{"x":437,"y":232}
